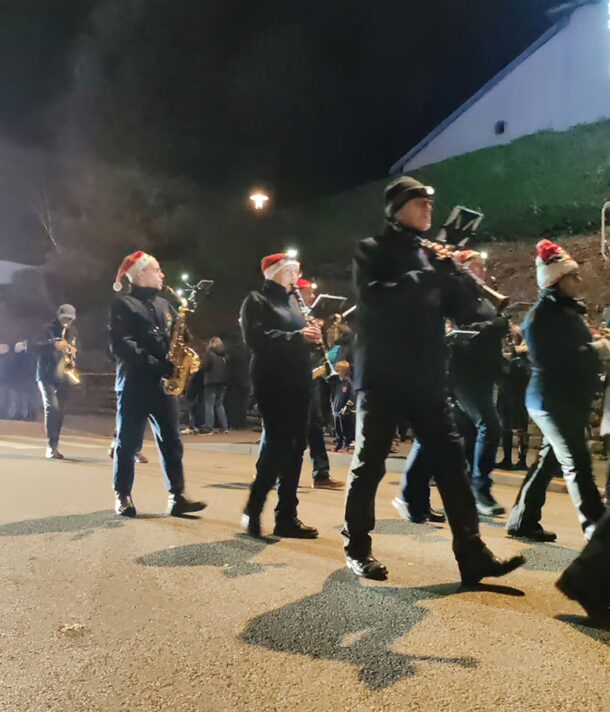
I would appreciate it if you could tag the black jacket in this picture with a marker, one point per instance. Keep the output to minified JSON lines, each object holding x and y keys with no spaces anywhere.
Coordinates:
{"x":403,"y":297}
{"x":50,"y":361}
{"x":341,"y":392}
{"x":214,"y":366}
{"x":271,"y":323}
{"x":565,"y":366}
{"x":140,"y":332}
{"x":481,"y":356}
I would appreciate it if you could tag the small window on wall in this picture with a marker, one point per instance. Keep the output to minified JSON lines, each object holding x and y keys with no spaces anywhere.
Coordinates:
{"x":500,"y":128}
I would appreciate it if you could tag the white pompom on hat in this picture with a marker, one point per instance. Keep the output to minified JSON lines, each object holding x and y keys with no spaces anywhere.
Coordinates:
{"x":133,"y":263}
{"x":552,"y":263}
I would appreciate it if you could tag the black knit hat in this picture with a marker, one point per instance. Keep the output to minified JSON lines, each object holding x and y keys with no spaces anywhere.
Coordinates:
{"x":401,"y":190}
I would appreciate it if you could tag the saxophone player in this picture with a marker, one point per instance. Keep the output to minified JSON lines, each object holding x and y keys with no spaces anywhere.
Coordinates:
{"x":53,"y":351}
{"x":141,"y":324}
{"x":280,"y":341}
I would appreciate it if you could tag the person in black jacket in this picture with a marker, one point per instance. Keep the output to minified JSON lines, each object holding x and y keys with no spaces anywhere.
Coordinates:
{"x":404,"y":294}
{"x":50,"y":374}
{"x":565,"y":365}
{"x":319,"y":395}
{"x":215,"y":377}
{"x":475,"y":369}
{"x":280,"y":341}
{"x":141,"y":325}
{"x":587,"y":578}
{"x":343,"y":402}
{"x":238,"y":385}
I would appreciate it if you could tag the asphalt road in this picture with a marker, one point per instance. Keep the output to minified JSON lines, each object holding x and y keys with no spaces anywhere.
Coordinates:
{"x":102,"y":613}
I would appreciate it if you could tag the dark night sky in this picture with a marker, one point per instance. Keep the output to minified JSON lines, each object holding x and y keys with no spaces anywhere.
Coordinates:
{"x":309,"y":97}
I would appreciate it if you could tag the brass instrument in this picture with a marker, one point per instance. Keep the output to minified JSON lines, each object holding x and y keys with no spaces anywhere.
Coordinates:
{"x":325,"y":369}
{"x":442,"y":251}
{"x":69,"y":367}
{"x":184,"y":359}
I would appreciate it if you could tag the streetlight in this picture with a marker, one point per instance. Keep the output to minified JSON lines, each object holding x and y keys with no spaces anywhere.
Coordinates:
{"x":185,"y":277}
{"x":259,"y":200}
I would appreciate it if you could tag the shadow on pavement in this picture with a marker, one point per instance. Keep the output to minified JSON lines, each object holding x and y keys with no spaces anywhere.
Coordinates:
{"x":583,"y":625}
{"x":233,"y":555}
{"x":548,"y":557}
{"x":353,"y":623}
{"x":425,"y":533}
{"x":82,"y":524}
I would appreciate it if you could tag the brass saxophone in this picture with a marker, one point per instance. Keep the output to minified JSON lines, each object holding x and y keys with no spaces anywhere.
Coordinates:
{"x":69,"y":367}
{"x":184,"y":359}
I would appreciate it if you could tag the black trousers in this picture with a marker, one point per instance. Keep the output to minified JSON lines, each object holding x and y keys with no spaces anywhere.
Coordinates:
{"x":564,"y":446}
{"x":589,"y":574}
{"x":136,"y":405}
{"x":285,"y":417}
{"x":236,"y":405}
{"x":377,"y":417}
{"x":54,"y":397}
{"x":315,"y":434}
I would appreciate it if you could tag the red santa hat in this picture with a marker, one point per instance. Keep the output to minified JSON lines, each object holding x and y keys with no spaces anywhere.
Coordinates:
{"x":135,"y":262}
{"x":272,"y":265}
{"x":552,"y":263}
{"x":303,"y":283}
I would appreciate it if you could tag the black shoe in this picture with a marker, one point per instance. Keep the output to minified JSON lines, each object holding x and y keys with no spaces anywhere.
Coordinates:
{"x":539,"y":535}
{"x":367,"y":567}
{"x":294,"y":529}
{"x":521,"y":466}
{"x":252,"y":524}
{"x":504,"y":465}
{"x":178,"y":504}
{"x":484,"y":565}
{"x":434,"y":515}
{"x":124,"y":506}
{"x":111,"y":450}
{"x":487,"y":506}
{"x":597,"y":611}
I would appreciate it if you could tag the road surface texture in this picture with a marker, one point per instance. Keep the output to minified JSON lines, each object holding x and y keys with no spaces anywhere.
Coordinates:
{"x":156,"y":613}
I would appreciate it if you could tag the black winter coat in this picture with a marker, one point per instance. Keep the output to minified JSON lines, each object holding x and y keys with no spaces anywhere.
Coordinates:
{"x":565,"y":366}
{"x":214,"y":366}
{"x":50,"y":361}
{"x":141,"y":325}
{"x":403,"y":295}
{"x":271,"y":323}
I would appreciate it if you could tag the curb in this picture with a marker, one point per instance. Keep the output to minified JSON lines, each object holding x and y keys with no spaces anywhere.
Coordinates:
{"x":394,"y":465}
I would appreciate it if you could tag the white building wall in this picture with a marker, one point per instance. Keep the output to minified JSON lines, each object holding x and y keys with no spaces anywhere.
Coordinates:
{"x":564,"y":83}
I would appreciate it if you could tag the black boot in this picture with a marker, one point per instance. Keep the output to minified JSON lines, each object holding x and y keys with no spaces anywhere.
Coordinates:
{"x":294,"y":529}
{"x":252,"y":524}
{"x":484,"y":565}
{"x":366,"y":567}
{"x":178,"y":504}
{"x":573,"y":587}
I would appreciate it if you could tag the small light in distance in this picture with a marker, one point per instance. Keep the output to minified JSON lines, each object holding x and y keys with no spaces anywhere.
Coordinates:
{"x":259,"y":200}
{"x":185,"y":277}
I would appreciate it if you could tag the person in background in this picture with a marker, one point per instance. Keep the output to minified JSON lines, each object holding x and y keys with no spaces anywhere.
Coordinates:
{"x":238,"y":385}
{"x":51,"y":375}
{"x":215,"y":377}
{"x":565,"y":361}
{"x":343,"y":402}
{"x":319,"y":395}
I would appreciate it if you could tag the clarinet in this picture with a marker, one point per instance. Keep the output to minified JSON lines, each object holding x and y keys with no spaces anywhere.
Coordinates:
{"x":327,"y":365}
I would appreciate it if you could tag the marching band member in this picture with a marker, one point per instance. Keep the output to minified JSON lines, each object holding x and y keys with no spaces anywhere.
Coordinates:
{"x":315,"y":431}
{"x":140,"y":333}
{"x":403,"y":296}
{"x":51,"y":375}
{"x":280,"y":342}
{"x":565,"y":364}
